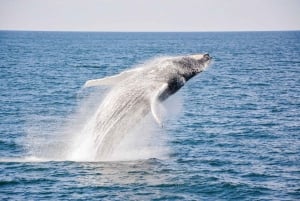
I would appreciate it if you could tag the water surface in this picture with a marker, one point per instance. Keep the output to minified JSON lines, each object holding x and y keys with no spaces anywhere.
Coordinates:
{"x":235,"y":138}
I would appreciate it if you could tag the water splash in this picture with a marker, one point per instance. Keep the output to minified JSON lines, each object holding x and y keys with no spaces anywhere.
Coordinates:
{"x":107,"y":128}
{"x":118,"y":124}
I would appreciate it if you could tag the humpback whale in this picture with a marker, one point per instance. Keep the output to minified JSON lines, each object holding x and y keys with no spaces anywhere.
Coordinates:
{"x":134,"y":93}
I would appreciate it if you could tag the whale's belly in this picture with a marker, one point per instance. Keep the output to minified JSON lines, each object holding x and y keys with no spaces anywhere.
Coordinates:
{"x":119,"y":112}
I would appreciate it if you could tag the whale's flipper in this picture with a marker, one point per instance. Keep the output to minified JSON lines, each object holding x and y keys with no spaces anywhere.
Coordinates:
{"x":111,"y":80}
{"x":155,"y":104}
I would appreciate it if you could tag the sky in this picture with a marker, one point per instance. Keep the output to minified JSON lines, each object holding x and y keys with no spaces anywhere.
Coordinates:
{"x":150,"y":15}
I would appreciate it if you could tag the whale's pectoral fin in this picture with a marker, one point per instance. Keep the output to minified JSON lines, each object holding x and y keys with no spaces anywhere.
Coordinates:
{"x":111,"y":80}
{"x":155,"y":104}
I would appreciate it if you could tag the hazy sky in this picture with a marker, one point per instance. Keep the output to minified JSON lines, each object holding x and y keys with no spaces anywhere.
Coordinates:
{"x":150,"y":15}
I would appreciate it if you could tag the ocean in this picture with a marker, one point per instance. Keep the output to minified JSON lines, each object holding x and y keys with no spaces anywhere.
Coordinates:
{"x":231,"y":133}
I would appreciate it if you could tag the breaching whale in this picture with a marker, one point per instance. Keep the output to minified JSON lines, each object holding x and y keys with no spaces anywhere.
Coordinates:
{"x":134,"y":93}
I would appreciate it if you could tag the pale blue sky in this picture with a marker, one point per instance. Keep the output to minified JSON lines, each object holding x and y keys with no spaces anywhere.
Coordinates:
{"x":150,"y":15}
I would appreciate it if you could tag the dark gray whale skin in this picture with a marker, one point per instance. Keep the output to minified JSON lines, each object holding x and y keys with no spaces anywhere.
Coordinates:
{"x":190,"y":67}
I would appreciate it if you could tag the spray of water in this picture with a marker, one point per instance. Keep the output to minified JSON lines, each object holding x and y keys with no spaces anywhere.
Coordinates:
{"x":117,"y":119}
{"x":111,"y":125}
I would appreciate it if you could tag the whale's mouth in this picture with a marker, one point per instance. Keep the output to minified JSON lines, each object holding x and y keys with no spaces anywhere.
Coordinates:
{"x":206,"y":61}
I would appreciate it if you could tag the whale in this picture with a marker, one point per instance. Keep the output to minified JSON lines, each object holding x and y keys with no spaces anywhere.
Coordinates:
{"x":133,"y":94}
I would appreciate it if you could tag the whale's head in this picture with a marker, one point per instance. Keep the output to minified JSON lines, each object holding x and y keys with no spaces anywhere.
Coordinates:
{"x":191,"y":65}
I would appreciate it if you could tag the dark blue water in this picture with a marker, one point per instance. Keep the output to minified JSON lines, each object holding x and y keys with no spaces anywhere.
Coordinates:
{"x":237,"y":136}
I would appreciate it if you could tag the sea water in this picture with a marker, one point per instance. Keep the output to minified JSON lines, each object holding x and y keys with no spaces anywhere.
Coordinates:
{"x":231,"y":133}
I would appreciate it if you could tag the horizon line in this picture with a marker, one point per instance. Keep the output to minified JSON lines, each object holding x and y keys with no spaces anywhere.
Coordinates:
{"x":148,"y":31}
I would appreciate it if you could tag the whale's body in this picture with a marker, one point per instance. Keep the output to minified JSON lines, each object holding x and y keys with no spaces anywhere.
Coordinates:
{"x":134,"y":93}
